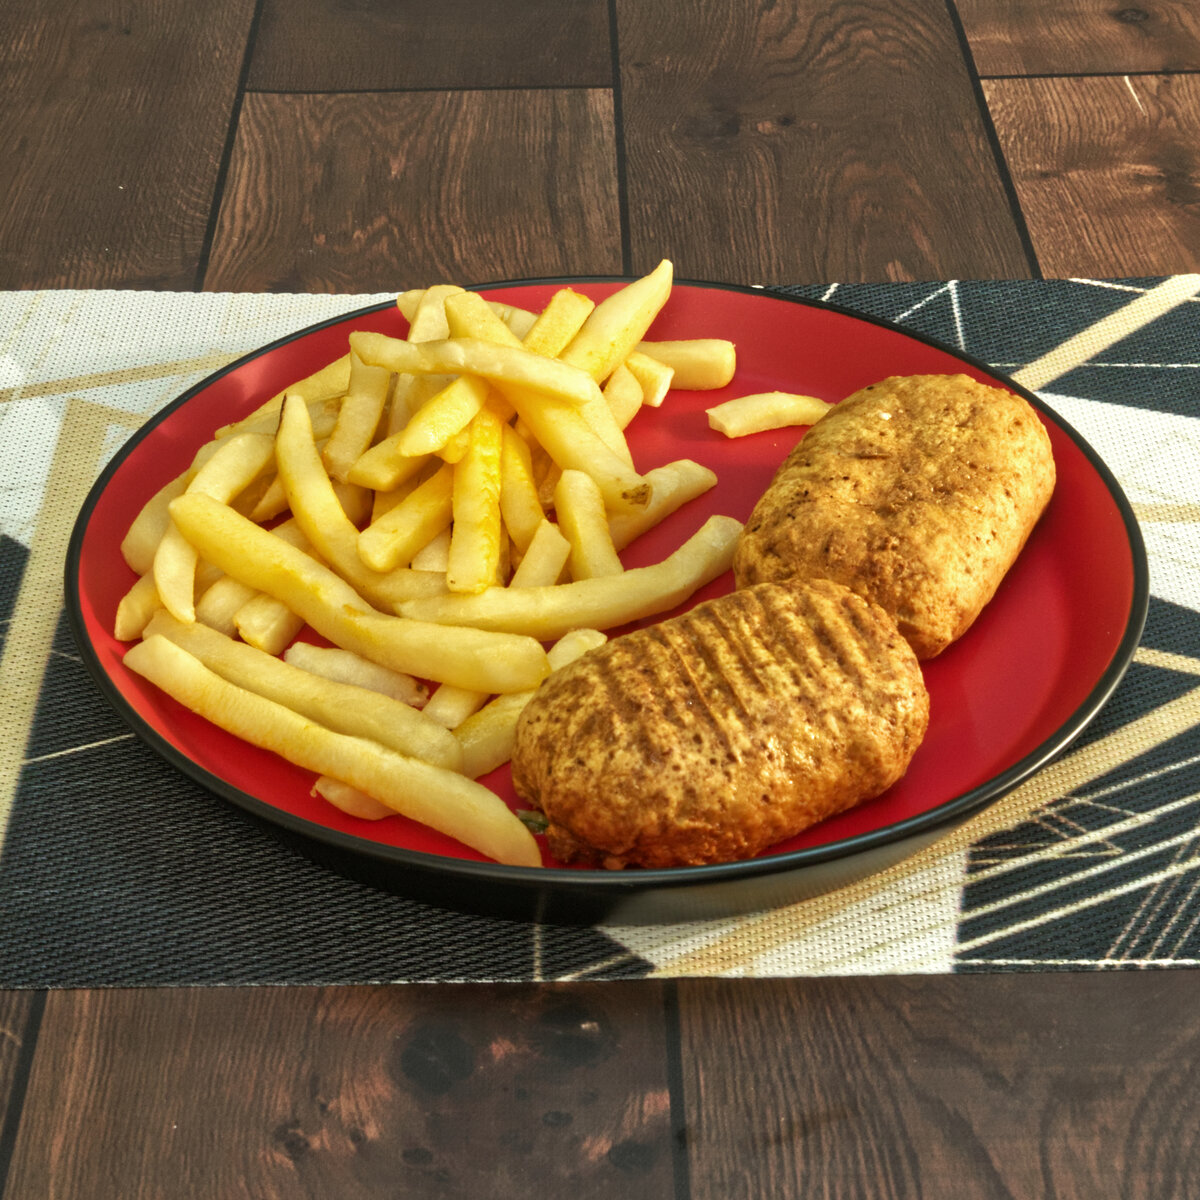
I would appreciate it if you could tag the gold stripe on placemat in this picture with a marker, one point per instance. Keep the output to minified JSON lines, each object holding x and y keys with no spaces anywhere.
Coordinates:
{"x":78,"y":455}
{"x":768,"y":935}
{"x":1085,"y":345}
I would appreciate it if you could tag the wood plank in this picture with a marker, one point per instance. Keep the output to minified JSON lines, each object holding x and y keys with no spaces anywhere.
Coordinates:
{"x":1081,"y":37}
{"x":465,"y":1091}
{"x":113,"y":124}
{"x":1071,"y":1086}
{"x":360,"y":193}
{"x":832,"y":141}
{"x":378,"y":45}
{"x":1107,"y":170}
{"x":20,"y":1015}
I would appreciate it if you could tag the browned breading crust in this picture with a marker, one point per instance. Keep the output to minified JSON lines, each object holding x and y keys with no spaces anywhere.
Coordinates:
{"x":713,"y":735}
{"x":918,"y":492}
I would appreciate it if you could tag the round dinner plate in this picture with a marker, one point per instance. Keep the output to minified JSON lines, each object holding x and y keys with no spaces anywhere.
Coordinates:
{"x":1011,"y":694}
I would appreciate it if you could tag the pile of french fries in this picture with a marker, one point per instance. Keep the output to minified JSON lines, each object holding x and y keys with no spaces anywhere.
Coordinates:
{"x":445,"y":513}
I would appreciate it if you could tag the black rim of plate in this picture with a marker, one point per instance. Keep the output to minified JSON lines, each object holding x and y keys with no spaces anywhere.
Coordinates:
{"x":615,"y":884}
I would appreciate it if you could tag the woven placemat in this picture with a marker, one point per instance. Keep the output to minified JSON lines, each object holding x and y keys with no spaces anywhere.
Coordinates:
{"x":115,"y":870}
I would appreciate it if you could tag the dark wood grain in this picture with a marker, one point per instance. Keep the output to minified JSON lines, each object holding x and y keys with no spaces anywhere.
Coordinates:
{"x":1107,"y":170}
{"x":1072,"y":1086}
{"x":463,"y":1091}
{"x":364,"y":193}
{"x":1080,"y":37}
{"x":325,"y":45}
{"x":113,"y":121}
{"x":799,"y":144}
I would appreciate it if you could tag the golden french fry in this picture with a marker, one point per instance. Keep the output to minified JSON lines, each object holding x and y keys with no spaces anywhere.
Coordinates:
{"x":414,"y":522}
{"x":336,"y":704}
{"x":549,"y":612}
{"x":544,"y":560}
{"x":475,"y":534}
{"x":442,"y":416}
{"x":653,"y":377}
{"x":618,"y":323}
{"x":141,"y":541}
{"x":487,"y":736}
{"x":623,"y":395}
{"x":434,"y":555}
{"x":765,"y":410}
{"x":519,"y":504}
{"x":327,"y":384}
{"x":558,"y":322}
{"x":269,"y":505}
{"x":358,"y":418}
{"x":350,"y":800}
{"x":428,"y":320}
{"x":519,"y":320}
{"x":699,"y":364}
{"x":336,"y":611}
{"x":470,"y":316}
{"x":451,"y":706}
{"x":219,"y":604}
{"x":584,"y":523}
{"x":136,"y":608}
{"x":674,"y":484}
{"x":442,"y":799}
{"x":267,"y":624}
{"x":504,"y":366}
{"x":385,"y":466}
{"x":344,"y":666}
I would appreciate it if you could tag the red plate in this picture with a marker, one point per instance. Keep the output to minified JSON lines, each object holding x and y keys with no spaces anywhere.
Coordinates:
{"x":1036,"y":666}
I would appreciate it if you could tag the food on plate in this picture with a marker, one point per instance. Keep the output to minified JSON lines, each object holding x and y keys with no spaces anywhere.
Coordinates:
{"x":715,"y":734}
{"x":917,"y":492}
{"x":765,"y":410}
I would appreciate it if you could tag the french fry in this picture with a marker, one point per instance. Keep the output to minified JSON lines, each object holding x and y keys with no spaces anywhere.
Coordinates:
{"x":442,"y":799}
{"x":584,"y":523}
{"x":350,"y":800}
{"x":487,"y":736}
{"x":267,"y":624}
{"x":385,"y":466}
{"x":358,"y":418}
{"x":475,"y":534}
{"x":434,"y":555}
{"x":765,"y":410}
{"x":623,"y":395}
{"x":674,"y":484}
{"x":504,"y":366}
{"x":442,"y":416}
{"x":451,"y":706}
{"x":414,"y":522}
{"x":136,"y":608}
{"x":470,"y":316}
{"x":427,"y":323}
{"x":336,"y":704}
{"x":519,"y":320}
{"x":219,"y":604}
{"x":557,"y":323}
{"x":146,"y":531}
{"x":544,"y":560}
{"x":654,"y":378}
{"x":343,"y":666}
{"x":338,"y":613}
{"x":519,"y":504}
{"x":549,"y":612}
{"x":618,"y":323}
{"x":327,"y":384}
{"x":699,"y":364}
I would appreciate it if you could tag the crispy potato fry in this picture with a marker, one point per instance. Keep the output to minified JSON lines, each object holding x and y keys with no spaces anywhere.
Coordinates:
{"x":699,"y":364}
{"x":519,"y":504}
{"x":487,"y":736}
{"x":653,"y":377}
{"x":451,"y":706}
{"x":475,"y":534}
{"x":674,"y":485}
{"x":385,"y":466}
{"x":267,"y":624}
{"x":544,"y":560}
{"x":557,"y":323}
{"x":470,"y":316}
{"x":618,"y":323}
{"x":414,"y":522}
{"x":584,"y":523}
{"x":350,"y":800}
{"x":152,"y":521}
{"x":434,"y":555}
{"x":765,"y":410}
{"x":358,"y":418}
{"x":549,"y":612}
{"x":442,"y":799}
{"x":136,"y":608}
{"x":338,"y":613}
{"x":344,"y":666}
{"x":504,"y":366}
{"x":623,"y":395}
{"x":427,"y":322}
{"x":442,"y":416}
{"x":327,"y":384}
{"x":519,"y":320}
{"x":336,"y":704}
{"x":219,"y":604}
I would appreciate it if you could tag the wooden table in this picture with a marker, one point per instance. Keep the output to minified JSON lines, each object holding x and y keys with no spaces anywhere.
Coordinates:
{"x":262,"y":146}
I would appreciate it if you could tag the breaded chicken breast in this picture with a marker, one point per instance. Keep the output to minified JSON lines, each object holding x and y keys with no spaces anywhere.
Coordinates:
{"x":713,"y":735}
{"x":918,"y":492}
